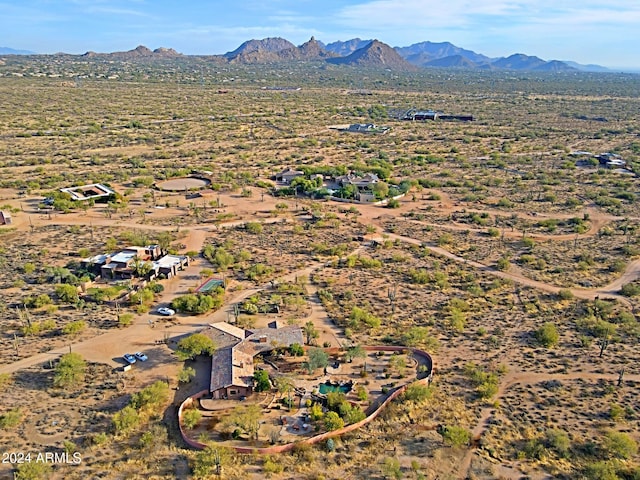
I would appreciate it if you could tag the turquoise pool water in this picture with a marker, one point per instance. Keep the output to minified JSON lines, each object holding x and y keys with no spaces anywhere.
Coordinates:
{"x":325,"y":388}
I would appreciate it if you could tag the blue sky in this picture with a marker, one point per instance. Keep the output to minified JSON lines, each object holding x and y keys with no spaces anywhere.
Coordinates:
{"x":605,"y":32}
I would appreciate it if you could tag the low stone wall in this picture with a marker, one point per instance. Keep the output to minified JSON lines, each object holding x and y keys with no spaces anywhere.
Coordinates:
{"x":327,"y":435}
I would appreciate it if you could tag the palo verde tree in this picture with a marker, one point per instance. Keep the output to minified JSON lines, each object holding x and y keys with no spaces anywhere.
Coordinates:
{"x":261,"y":381}
{"x":310,"y":332}
{"x":355,"y":351}
{"x":69,"y":371}
{"x":318,"y":358}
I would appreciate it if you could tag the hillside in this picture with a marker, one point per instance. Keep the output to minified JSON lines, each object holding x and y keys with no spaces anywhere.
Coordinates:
{"x":140,"y":52}
{"x":366,"y":53}
{"x":259,"y":47}
{"x":375,"y":54}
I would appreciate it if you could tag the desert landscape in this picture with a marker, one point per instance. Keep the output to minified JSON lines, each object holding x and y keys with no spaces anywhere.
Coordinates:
{"x":506,"y":247}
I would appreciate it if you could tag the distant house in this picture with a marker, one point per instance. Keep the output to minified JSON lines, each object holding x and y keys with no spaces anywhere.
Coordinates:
{"x":424,"y":115}
{"x":119,"y":265}
{"x":611,"y":160}
{"x":360,"y":181}
{"x":5,"y":217}
{"x":94,"y":264}
{"x":366,"y":128}
{"x":288,"y":174}
{"x":366,"y":197}
{"x":361,"y":127}
{"x":232,"y":365}
{"x":93,"y":191}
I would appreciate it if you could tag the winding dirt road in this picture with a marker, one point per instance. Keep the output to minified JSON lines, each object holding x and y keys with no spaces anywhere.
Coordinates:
{"x":140,"y":335}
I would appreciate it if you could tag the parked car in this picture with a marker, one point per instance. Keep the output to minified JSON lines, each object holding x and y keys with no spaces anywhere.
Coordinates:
{"x":130,"y":359}
{"x":141,"y":356}
{"x":167,"y":312}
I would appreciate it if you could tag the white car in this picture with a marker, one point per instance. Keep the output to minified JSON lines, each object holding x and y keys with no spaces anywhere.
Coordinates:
{"x":141,"y":356}
{"x":167,"y":312}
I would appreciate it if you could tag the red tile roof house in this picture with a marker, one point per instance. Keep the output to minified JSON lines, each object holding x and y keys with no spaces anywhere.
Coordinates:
{"x":232,"y":365}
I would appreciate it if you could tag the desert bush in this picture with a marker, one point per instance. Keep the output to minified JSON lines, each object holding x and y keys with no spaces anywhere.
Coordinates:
{"x":75,"y":327}
{"x":199,"y":303}
{"x":5,"y":380}
{"x":565,"y":294}
{"x":186,"y":374}
{"x":150,"y":398}
{"x":558,"y":441}
{"x":332,"y":421}
{"x":360,"y":316}
{"x":417,"y":392}
{"x":67,"y":293}
{"x":191,"y":417}
{"x":10,"y":419}
{"x":37,"y":302}
{"x":486,"y":383}
{"x":630,"y":290}
{"x":455,"y":436}
{"x":126,"y":420}
{"x":70,"y":370}
{"x":503,"y":264}
{"x":33,"y":471}
{"x":620,"y":445}
{"x":296,"y":350}
{"x":125,"y":319}
{"x":547,"y":335}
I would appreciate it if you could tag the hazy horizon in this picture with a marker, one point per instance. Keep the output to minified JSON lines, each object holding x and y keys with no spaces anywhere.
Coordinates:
{"x":587,"y":32}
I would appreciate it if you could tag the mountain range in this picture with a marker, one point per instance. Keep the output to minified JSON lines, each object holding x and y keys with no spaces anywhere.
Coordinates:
{"x":357,"y":52}
{"x":11,"y":51}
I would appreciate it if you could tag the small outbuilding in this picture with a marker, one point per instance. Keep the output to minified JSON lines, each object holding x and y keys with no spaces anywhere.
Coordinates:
{"x":5,"y":217}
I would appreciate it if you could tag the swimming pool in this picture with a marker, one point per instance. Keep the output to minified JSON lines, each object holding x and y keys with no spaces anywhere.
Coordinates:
{"x":325,"y":388}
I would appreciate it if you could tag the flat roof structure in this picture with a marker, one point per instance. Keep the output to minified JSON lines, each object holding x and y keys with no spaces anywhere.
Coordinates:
{"x":169,"y":261}
{"x":97,"y":259}
{"x":124,"y":256}
{"x":87,"y":192}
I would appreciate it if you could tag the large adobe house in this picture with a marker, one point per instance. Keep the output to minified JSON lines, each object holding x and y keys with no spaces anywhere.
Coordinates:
{"x":232,"y":365}
{"x":120,"y":265}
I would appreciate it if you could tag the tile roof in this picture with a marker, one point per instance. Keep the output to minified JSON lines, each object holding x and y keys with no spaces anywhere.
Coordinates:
{"x":232,"y":362}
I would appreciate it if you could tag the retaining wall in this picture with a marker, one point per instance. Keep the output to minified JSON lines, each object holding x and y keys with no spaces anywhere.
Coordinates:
{"x":323,"y":436}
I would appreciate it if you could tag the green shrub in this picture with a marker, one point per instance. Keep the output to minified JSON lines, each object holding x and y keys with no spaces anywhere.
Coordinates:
{"x":456,"y":436}
{"x":630,"y":290}
{"x":191,"y":417}
{"x":547,"y":335}
{"x":11,"y":419}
